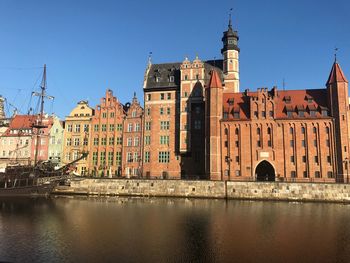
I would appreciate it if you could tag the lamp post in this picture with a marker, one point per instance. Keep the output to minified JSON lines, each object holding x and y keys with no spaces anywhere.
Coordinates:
{"x":346,"y":162}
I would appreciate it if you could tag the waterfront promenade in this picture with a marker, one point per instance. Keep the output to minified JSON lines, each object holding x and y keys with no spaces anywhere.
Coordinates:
{"x":288,"y":191}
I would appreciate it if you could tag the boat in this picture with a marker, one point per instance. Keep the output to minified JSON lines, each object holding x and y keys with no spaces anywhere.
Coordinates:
{"x":41,"y":177}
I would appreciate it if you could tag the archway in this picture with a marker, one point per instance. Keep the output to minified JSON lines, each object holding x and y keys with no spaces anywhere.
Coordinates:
{"x":265,"y":172}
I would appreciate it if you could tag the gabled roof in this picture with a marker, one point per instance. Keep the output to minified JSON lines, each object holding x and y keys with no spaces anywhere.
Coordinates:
{"x":336,"y":75}
{"x":214,"y":81}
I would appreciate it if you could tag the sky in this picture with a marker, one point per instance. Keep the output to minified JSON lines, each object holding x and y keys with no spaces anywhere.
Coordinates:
{"x":92,"y":45}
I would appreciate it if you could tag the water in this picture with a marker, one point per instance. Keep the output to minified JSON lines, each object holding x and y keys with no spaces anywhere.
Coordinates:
{"x":80,"y":229}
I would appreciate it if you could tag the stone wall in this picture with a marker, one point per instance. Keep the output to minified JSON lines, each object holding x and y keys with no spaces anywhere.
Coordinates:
{"x":210,"y":189}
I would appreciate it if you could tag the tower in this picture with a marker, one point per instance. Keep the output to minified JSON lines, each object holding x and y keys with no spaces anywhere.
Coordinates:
{"x":337,"y":89}
{"x":213,"y":115}
{"x":230,"y":53}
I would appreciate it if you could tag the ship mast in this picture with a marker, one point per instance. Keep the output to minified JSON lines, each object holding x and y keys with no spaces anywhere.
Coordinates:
{"x":39,"y":122}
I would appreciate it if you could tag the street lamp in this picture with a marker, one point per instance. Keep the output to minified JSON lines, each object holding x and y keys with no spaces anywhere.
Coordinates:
{"x":346,"y":162}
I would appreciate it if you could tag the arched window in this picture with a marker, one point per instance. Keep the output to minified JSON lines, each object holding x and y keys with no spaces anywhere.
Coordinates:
{"x":236,"y":131}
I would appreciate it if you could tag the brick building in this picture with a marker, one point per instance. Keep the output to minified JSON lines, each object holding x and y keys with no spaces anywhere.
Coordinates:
{"x":116,"y":138}
{"x":198,"y":125}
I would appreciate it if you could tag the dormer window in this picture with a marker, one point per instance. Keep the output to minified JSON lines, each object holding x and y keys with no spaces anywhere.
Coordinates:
{"x":301,"y":110}
{"x":236,"y":113}
{"x":312,"y":110}
{"x":309,"y":99}
{"x":289,"y":111}
{"x":171,"y":78}
{"x":225,"y":115}
{"x":324,"y":113}
{"x":157,"y":79}
{"x":230,"y":101}
{"x":287,"y":99}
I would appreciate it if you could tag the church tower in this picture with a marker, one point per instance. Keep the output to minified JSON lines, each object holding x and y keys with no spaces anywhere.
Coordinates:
{"x":337,"y":89}
{"x":230,"y":53}
{"x":2,"y":111}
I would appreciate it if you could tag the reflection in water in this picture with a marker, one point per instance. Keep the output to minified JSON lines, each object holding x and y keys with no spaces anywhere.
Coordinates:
{"x":81,"y":229}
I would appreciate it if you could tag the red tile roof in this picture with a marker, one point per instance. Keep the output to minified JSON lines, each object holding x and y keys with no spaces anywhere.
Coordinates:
{"x":298,"y":101}
{"x":336,"y":75}
{"x":214,"y":81}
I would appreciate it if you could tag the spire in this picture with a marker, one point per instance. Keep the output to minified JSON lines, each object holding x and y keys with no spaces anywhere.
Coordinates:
{"x":230,"y":19}
{"x":214,"y":81}
{"x":134,"y":99}
{"x":336,"y":74}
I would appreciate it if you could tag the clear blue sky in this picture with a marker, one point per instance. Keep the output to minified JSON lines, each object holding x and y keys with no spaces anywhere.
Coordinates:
{"x":92,"y":45}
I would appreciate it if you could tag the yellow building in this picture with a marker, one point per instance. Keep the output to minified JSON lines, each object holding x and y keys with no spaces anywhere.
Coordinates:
{"x":76,"y":135}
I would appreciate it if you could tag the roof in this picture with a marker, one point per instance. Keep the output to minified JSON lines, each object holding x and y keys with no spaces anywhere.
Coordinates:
{"x":336,"y":75}
{"x":214,"y":81}
{"x":297,"y":102}
{"x":159,"y":75}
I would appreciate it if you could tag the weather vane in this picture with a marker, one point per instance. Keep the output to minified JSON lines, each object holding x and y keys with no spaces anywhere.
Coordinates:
{"x":335,"y":53}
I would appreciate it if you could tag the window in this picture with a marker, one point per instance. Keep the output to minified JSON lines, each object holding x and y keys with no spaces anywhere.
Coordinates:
{"x":301,"y":113}
{"x":76,"y":141}
{"x":136,"y":141}
{"x":237,"y":143}
{"x":148,"y":97}
{"x":314,"y":130}
{"x":111,"y":114}
{"x":292,"y":158}
{"x":226,"y":144}
{"x":163,"y":157}
{"x":324,"y":113}
{"x":129,"y":127}
{"x":171,"y":78}
{"x":110,"y":158}
{"x":136,"y":157}
{"x":147,"y":157}
{"x":236,"y":114}
{"x":133,"y":113}
{"x":330,"y":174}
{"x":104,"y":127}
{"x":186,"y":77}
{"x":147,"y":140}
{"x":316,"y":159}
{"x":305,"y":175}
{"x":69,"y":142}
{"x":69,"y":127}
{"x":148,"y":111}
{"x":315,"y":143}
{"x":185,"y":94}
{"x":129,"y":142}
{"x":327,"y":130}
{"x":304,"y":158}
{"x":269,"y":143}
{"x":111,"y":127}
{"x":94,"y":158}
{"x":317,"y":174}
{"x":291,"y":142}
{"x":162,"y":96}
{"x":85,"y":141}
{"x":169,"y":94}
{"x":104,"y":141}
{"x":161,"y":111}
{"x":168,"y":111}
{"x":86,"y":127}
{"x":225,"y":115}
{"x":303,"y":130}
{"x":303,"y":143}
{"x":96,"y":141}
{"x":329,"y":160}
{"x":96,"y":128}
{"x":293,"y":174}
{"x":258,"y":131}
{"x":111,"y":141}
{"x":289,"y":114}
{"x":291,"y":130}
{"x":119,"y":140}
{"x":164,"y":125}
{"x":104,"y":115}
{"x":263,"y":114}
{"x":258,"y":143}
{"x":77,"y":128}
{"x":147,"y":125}
{"x":271,"y":113}
{"x":137,"y":127}
{"x":237,"y":159}
{"x":256,"y":114}
{"x":103,"y":158}
{"x":312,"y":113}
{"x":197,"y":124}
{"x":129,"y":157}
{"x":118,"y":158}
{"x":328,"y":143}
{"x":164,"y":140}
{"x":119,"y":127}
{"x":236,"y":131}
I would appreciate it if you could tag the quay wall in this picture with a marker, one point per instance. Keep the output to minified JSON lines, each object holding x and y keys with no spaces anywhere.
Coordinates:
{"x":323,"y":192}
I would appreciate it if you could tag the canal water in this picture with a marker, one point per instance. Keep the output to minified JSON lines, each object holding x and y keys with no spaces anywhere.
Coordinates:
{"x":82,"y":229}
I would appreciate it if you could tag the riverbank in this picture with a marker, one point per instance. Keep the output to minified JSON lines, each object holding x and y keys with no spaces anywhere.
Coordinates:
{"x":319,"y":192}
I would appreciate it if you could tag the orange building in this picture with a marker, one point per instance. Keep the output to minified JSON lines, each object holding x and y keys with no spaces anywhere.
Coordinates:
{"x":116,"y":132}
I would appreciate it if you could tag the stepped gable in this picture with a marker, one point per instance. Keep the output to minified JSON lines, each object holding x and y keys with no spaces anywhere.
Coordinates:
{"x":288,"y":100}
{"x":158,"y":76}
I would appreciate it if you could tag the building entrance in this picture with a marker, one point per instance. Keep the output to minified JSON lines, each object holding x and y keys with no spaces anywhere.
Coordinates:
{"x":265,"y":172}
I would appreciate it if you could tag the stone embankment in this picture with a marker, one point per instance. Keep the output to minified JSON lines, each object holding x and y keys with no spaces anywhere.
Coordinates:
{"x":209,"y":189}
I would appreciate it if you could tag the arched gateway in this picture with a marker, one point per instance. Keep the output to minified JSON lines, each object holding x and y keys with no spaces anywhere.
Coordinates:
{"x":265,"y":172}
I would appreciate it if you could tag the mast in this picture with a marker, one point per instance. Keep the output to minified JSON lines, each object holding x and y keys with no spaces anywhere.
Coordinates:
{"x":39,"y":122}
